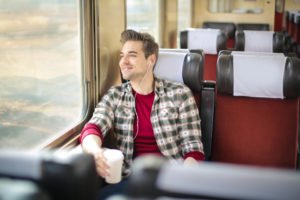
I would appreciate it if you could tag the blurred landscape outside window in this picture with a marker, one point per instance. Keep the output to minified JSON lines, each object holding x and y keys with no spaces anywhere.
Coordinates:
{"x":184,"y":17}
{"x":144,"y":16}
{"x":40,"y":71}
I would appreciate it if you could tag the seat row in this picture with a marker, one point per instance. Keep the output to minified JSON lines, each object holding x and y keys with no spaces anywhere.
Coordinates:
{"x":250,"y":130}
{"x":250,"y":115}
{"x":212,"y":41}
{"x":229,"y":28}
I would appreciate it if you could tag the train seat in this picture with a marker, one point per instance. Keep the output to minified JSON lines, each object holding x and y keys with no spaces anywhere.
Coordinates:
{"x":186,"y":66}
{"x":296,"y":34}
{"x":261,"y":41}
{"x":227,"y":27}
{"x":211,"y":41}
{"x":62,"y":176}
{"x":155,"y":178}
{"x":279,"y":19}
{"x":252,"y":26}
{"x":257,"y":110}
{"x":291,"y":23}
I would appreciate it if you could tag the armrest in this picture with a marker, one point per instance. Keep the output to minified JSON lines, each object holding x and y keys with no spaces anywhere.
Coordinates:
{"x":207,"y":109}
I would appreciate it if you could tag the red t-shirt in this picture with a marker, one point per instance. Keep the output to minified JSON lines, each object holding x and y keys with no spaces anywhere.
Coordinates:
{"x":144,"y":141}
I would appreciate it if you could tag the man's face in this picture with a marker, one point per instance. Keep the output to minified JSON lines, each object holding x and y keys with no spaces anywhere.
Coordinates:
{"x":133,"y":63}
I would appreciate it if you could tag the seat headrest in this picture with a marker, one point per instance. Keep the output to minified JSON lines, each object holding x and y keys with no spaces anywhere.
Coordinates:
{"x":227,"y":27}
{"x":211,"y":41}
{"x":264,"y":76}
{"x":260,"y":41}
{"x":184,"y":67}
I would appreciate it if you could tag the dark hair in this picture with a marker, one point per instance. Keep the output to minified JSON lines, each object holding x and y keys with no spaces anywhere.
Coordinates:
{"x":149,"y":45}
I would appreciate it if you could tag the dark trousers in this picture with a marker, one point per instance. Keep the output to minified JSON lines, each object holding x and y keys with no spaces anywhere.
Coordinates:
{"x":108,"y":190}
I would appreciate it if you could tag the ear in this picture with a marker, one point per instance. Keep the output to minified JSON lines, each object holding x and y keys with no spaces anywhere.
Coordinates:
{"x":151,"y":59}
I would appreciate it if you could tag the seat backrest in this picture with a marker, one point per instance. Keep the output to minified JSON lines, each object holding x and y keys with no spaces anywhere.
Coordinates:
{"x":257,"y":110}
{"x":279,"y":19}
{"x":296,"y":33}
{"x":186,"y":66}
{"x":259,"y":41}
{"x":211,"y":41}
{"x":291,"y":22}
{"x":153,"y":177}
{"x":227,"y":27}
{"x":252,"y":26}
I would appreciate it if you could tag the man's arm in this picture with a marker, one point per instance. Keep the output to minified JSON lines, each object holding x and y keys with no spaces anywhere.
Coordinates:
{"x":93,"y":132}
{"x":92,"y":144}
{"x":190,"y":129}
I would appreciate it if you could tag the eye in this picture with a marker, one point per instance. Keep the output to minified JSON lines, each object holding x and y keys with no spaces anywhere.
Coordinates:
{"x":132,"y":55}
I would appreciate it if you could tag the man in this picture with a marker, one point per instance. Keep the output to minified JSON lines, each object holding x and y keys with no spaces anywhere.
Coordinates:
{"x":147,"y":114}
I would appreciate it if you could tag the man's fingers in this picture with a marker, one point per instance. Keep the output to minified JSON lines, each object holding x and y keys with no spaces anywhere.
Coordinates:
{"x":101,"y":164}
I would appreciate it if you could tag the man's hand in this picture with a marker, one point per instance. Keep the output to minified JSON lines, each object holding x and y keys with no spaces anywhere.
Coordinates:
{"x":92,"y":144}
{"x":101,"y":164}
{"x":190,"y":161}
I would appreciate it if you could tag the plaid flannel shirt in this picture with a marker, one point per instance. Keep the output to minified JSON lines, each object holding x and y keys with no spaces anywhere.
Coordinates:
{"x":174,"y":118}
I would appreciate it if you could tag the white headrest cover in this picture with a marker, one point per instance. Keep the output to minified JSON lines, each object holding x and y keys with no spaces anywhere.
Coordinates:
{"x":174,"y":50}
{"x":258,"y":76}
{"x":295,"y":18}
{"x":256,"y":53}
{"x":205,"y":39}
{"x":261,"y":41}
{"x":169,"y":66}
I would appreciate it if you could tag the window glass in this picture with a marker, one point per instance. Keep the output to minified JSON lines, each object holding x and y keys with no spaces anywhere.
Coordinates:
{"x":184,"y":16}
{"x":236,"y":6}
{"x":40,"y":71}
{"x":144,"y":16}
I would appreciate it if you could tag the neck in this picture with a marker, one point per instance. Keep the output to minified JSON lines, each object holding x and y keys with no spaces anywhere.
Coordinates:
{"x":144,"y":86}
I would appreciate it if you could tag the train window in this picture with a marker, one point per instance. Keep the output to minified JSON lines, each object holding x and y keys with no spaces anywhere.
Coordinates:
{"x":144,"y":15}
{"x":184,"y":16}
{"x":236,"y":6}
{"x":40,"y":71}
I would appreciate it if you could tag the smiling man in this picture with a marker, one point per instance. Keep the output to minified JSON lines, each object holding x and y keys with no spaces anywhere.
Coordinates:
{"x":148,"y":115}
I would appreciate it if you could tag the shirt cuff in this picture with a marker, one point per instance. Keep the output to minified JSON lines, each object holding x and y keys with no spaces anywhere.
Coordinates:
{"x":90,"y":129}
{"x":196,"y":155}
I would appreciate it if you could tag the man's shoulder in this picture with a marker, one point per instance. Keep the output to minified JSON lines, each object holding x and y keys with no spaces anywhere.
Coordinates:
{"x":171,"y":85}
{"x":119,"y":88}
{"x":116,"y":92}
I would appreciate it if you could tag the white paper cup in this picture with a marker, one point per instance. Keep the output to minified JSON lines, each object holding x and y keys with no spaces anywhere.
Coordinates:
{"x":115,"y":161}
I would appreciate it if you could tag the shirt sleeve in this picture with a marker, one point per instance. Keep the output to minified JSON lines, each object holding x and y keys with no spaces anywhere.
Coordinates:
{"x":90,"y":129}
{"x":196,"y":155}
{"x":103,"y":115}
{"x":189,"y":124}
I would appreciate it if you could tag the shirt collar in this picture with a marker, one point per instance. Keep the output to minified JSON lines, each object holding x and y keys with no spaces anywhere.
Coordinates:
{"x":158,"y":86}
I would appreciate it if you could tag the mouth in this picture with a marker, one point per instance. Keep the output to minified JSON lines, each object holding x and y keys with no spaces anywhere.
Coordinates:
{"x":126,"y":69}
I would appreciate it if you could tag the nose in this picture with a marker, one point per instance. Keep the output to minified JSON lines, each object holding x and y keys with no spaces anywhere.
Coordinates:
{"x":123,"y":60}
